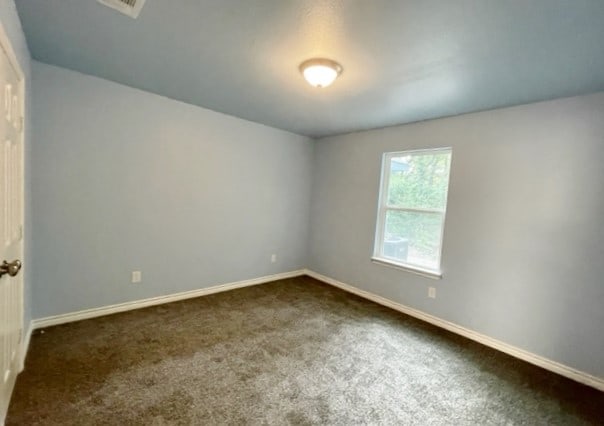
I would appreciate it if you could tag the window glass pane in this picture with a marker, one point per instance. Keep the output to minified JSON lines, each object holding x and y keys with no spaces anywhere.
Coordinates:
{"x":419,"y":180}
{"x":413,"y":238}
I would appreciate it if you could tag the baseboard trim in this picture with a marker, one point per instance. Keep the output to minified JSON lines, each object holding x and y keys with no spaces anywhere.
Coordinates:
{"x":152,"y":301}
{"x":548,"y":364}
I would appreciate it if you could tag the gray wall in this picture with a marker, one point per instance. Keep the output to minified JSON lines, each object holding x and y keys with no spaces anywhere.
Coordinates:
{"x":12,"y":27}
{"x":524,"y":239}
{"x":126,"y":180}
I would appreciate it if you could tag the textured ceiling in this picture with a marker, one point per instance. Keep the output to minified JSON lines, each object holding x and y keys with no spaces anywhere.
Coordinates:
{"x":404,"y":60}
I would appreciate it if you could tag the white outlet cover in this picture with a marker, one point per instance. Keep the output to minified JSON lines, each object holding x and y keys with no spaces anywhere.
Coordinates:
{"x":432,"y":292}
{"x":136,"y":276}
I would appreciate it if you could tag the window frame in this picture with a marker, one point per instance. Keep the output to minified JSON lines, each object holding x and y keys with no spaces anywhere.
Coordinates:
{"x":383,"y":208}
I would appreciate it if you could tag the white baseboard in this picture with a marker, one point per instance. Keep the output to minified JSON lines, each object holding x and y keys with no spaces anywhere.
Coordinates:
{"x":137,"y":304}
{"x":556,"y":367}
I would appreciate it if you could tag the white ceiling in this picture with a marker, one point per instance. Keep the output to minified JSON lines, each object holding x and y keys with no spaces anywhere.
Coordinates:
{"x":404,"y":60}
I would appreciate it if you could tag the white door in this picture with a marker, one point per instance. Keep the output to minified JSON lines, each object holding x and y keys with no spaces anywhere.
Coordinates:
{"x":11,"y":220}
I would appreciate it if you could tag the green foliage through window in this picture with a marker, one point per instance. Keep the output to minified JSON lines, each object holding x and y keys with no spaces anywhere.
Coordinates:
{"x":419,"y":181}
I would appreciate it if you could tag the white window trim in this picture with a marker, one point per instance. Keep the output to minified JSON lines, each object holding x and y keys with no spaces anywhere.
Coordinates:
{"x":428,"y":273}
{"x":383,"y":207}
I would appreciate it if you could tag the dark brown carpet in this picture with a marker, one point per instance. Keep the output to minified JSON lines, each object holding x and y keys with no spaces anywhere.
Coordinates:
{"x":289,"y":352}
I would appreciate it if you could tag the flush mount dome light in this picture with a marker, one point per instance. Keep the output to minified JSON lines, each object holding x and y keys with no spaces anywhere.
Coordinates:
{"x":320,"y":72}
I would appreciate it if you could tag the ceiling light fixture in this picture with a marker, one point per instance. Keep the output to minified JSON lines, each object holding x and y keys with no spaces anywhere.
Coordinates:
{"x":320,"y":72}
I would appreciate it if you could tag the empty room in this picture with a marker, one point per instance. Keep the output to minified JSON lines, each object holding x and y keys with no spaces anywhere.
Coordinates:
{"x":302,"y":212}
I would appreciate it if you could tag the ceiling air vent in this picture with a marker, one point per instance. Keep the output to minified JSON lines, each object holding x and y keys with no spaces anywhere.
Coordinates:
{"x":128,"y":7}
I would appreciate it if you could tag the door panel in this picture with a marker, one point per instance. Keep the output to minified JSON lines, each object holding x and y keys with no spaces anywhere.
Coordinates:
{"x":11,"y":220}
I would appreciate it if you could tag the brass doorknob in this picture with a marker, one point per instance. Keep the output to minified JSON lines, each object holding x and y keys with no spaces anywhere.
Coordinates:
{"x":10,"y":268}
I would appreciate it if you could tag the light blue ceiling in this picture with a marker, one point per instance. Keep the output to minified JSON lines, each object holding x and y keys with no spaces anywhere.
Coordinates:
{"x":404,"y":60}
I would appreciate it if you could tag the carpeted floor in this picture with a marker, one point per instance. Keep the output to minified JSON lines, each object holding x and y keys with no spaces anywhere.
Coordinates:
{"x":289,"y":352}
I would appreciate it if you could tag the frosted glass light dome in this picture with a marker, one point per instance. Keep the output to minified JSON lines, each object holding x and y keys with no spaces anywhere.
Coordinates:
{"x":320,"y":72}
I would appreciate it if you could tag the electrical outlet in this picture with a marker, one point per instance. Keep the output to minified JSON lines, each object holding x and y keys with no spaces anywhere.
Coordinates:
{"x":273,"y":258}
{"x":432,"y":292}
{"x":137,"y":276}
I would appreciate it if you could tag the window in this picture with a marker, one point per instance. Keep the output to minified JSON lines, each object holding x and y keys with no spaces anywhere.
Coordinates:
{"x":411,"y":214}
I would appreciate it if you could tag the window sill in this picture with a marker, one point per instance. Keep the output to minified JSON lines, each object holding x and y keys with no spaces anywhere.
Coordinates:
{"x":435,"y":275}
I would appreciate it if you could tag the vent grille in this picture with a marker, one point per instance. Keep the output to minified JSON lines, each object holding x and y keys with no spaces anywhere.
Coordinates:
{"x":128,"y":7}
